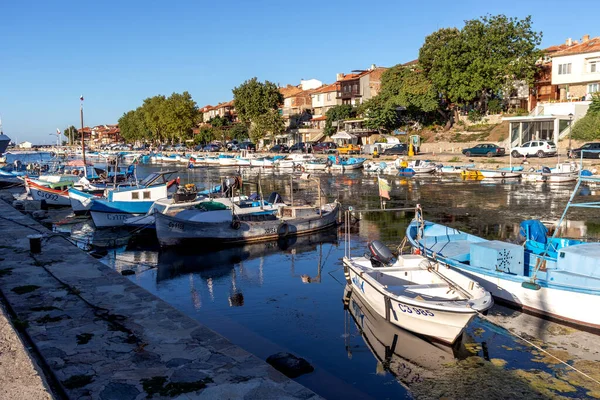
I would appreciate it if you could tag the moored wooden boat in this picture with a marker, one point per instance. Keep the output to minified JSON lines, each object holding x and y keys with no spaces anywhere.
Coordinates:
{"x":223,"y":226}
{"x":55,"y":194}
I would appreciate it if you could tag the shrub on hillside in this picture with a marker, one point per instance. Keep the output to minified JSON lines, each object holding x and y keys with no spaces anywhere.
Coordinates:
{"x":494,"y":106}
{"x":588,"y":127}
{"x":474,"y":116}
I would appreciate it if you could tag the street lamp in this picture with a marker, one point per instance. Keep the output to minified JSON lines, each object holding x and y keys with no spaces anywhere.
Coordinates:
{"x":570,"y":130}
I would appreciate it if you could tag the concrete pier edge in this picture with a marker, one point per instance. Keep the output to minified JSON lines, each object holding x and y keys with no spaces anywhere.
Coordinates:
{"x":98,"y":335}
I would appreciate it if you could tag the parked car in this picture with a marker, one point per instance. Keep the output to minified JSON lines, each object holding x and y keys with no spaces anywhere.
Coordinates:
{"x":232,"y":145}
{"x":589,"y":150}
{"x":247,"y":146}
{"x":301,"y":147}
{"x":540,"y":148}
{"x":211,"y":147}
{"x":484,"y":149}
{"x":397,"y":149}
{"x":279,"y":148}
{"x":324,"y":147}
{"x":349,"y":149}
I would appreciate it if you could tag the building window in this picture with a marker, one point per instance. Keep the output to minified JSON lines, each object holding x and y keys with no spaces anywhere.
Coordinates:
{"x":318,"y":97}
{"x":564,"y":69}
{"x":328,"y":96}
{"x":356,"y":88}
{"x":594,"y":87}
{"x":594,"y":66}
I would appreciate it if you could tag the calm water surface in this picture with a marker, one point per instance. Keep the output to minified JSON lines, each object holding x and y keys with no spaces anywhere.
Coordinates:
{"x":290,"y":295}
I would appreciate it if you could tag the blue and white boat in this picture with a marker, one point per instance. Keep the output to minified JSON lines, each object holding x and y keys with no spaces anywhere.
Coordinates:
{"x":126,"y":201}
{"x":346,"y":164}
{"x":551,"y":277}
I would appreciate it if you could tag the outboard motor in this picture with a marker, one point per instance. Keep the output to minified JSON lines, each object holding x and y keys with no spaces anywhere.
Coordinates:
{"x":546,"y":170}
{"x":380,"y":254}
{"x":274,"y":198}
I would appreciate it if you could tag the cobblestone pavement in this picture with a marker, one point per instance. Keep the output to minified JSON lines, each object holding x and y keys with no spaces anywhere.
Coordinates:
{"x":103,"y":337}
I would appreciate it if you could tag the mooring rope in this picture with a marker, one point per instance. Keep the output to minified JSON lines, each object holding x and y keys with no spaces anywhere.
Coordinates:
{"x":540,"y":349}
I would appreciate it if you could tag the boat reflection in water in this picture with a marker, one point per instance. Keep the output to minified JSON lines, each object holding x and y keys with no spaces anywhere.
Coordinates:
{"x":410,"y":358}
{"x":211,"y":265}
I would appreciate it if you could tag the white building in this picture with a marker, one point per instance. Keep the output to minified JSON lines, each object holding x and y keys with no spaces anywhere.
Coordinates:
{"x":576,"y":70}
{"x":25,"y":145}
{"x":310,"y":84}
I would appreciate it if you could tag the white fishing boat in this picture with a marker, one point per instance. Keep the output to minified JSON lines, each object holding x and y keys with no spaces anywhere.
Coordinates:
{"x":293,"y":161}
{"x":264,"y":162}
{"x":422,"y":166}
{"x":416,"y":294}
{"x":318,"y":164}
{"x":226,"y":160}
{"x":55,"y":194}
{"x":502,"y":173}
{"x":455,"y":169}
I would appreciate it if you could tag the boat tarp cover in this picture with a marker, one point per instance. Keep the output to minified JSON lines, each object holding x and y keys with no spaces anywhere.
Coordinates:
{"x":211,"y":206}
{"x":534,"y":230}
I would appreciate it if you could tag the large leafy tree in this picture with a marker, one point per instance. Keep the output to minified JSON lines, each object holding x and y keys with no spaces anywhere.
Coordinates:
{"x":153,"y":113}
{"x":487,"y":56}
{"x":337,"y":114}
{"x":402,"y":88}
{"x":239,"y":131}
{"x":180,"y":115}
{"x":253,"y":98}
{"x":132,"y":126}
{"x":269,"y":123}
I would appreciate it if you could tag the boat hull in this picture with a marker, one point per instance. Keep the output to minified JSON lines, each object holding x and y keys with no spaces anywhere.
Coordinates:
{"x":80,"y":201}
{"x":172,"y":231}
{"x":50,"y":196}
{"x":442,"y":325}
{"x":554,"y":301}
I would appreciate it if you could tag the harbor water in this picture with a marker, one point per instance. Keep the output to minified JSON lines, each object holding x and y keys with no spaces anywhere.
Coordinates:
{"x":291,"y":295}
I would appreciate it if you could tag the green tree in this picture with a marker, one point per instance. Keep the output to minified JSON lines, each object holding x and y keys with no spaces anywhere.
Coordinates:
{"x":71,"y":131}
{"x":269,"y":123}
{"x":487,"y":56}
{"x":153,"y":112}
{"x":402,"y":88}
{"x":336,"y":114}
{"x":219,"y":122}
{"x":254,"y":98}
{"x":206,"y":135}
{"x":132,"y":126}
{"x":239,"y":131}
{"x":179,"y":114}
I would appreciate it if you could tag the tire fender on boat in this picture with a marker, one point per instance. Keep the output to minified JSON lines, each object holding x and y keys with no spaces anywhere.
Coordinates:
{"x":283,"y":230}
{"x":235,"y":224}
{"x":504,"y":174}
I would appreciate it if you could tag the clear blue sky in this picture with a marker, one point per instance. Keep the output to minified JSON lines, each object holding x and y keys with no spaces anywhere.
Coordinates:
{"x":116,"y":53}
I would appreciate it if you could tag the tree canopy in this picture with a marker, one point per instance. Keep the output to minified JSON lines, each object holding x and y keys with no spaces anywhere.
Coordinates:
{"x":257,"y":103}
{"x":335,"y":114}
{"x":161,"y":119}
{"x":486,"y":57}
{"x":406,"y":92}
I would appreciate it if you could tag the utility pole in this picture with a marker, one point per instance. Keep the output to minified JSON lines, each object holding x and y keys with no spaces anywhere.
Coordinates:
{"x":82,"y":131}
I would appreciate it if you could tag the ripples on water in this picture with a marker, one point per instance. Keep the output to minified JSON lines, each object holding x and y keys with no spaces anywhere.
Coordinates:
{"x":290,"y":295}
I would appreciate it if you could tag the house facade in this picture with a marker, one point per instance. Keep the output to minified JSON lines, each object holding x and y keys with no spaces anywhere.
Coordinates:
{"x":359,"y":86}
{"x":576,"y":69}
{"x":324,"y":98}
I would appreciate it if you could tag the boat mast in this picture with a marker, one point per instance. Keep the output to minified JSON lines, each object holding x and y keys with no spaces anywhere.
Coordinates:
{"x":82,"y":131}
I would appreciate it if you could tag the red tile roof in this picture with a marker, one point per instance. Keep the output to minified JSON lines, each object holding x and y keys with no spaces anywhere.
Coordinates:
{"x":289,"y":91}
{"x":590,"y":46}
{"x":334,"y":87}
